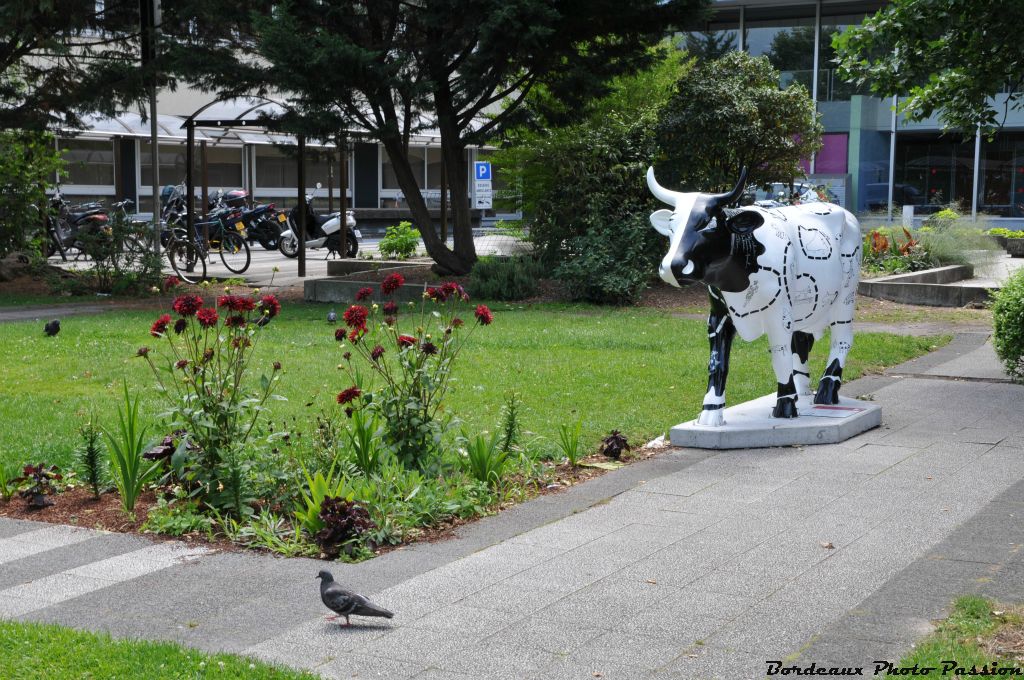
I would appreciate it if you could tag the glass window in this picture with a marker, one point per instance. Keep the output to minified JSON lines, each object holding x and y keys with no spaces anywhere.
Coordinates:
{"x":172,"y":163}
{"x":223,"y":167}
{"x":830,"y":86}
{"x":434,"y":169}
{"x":417,"y":160}
{"x":789,"y":46}
{"x":932,"y":172}
{"x":1002,"y":176}
{"x":88,"y":162}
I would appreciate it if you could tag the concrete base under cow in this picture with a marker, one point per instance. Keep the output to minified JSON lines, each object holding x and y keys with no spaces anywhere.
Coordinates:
{"x":750,"y":425}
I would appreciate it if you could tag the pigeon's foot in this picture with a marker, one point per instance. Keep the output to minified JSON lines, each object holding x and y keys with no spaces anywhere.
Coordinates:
{"x":331,"y":618}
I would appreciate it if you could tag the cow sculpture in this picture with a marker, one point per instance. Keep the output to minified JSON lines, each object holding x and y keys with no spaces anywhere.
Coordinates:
{"x":788,"y":272}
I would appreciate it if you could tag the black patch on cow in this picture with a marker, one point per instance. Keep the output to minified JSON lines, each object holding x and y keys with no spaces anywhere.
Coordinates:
{"x":785,"y":401}
{"x":802,"y":344}
{"x":720,"y":334}
{"x":828,"y":386}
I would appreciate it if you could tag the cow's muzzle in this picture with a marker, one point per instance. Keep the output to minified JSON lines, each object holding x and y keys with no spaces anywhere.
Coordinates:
{"x":674,"y":272}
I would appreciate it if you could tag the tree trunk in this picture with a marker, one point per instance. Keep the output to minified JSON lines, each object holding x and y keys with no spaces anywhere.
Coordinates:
{"x":456,"y":170}
{"x":447,"y":262}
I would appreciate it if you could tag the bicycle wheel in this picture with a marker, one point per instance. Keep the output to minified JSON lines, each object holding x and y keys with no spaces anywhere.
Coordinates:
{"x":234,"y":252}
{"x":187,"y":261}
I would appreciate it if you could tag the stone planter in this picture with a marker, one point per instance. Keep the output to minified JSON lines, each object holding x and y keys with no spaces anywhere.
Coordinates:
{"x":1015,"y":247}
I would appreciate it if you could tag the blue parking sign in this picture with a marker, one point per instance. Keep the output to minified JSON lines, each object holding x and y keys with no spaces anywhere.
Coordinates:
{"x":482,"y":170}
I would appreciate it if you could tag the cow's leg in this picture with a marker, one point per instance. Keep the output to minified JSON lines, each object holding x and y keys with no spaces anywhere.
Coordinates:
{"x":780,"y":346}
{"x":802,"y":344}
{"x":832,"y":378}
{"x":720,"y":334}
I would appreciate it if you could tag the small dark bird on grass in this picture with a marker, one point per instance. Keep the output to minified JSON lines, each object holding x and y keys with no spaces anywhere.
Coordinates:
{"x":52,"y":328}
{"x":331,"y":316}
{"x":345,"y":603}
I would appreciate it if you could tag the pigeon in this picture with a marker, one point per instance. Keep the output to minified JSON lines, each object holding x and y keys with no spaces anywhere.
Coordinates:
{"x":52,"y":328}
{"x":345,"y":603}
{"x":331,"y":316}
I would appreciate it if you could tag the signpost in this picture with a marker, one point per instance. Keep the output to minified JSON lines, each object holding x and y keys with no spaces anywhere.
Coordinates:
{"x":483,"y":197}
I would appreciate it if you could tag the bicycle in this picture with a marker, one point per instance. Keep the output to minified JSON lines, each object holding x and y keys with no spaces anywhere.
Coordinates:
{"x":185,"y":254}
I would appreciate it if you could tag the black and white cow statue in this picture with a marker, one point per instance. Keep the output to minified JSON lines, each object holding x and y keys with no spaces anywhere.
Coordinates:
{"x":788,"y":272}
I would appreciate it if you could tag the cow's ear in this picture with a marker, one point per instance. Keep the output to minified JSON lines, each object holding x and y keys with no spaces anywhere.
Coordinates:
{"x":745,"y":221}
{"x":661,"y":220}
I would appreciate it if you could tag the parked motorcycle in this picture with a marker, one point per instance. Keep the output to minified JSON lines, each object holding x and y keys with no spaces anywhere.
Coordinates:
{"x":73,"y":226}
{"x":322,"y":231}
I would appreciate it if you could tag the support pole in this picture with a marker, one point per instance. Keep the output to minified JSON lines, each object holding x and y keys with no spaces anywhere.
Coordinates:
{"x":190,"y":186}
{"x":444,"y":200}
{"x":342,"y":197}
{"x":814,"y":71}
{"x":302,"y":205}
{"x":892,"y":156}
{"x":204,"y":174}
{"x":330,"y":181}
{"x":977,"y":174}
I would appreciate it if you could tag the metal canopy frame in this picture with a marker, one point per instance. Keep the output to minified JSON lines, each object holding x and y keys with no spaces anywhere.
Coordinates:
{"x":192,"y":122}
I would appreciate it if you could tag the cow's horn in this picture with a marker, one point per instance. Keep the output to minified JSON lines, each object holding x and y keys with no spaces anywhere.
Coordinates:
{"x":660,"y":192}
{"x":732,"y":196}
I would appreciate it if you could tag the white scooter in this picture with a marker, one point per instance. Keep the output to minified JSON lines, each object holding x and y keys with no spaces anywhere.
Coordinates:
{"x":322,"y":231}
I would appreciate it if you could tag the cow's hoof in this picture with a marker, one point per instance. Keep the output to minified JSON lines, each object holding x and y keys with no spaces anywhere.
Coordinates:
{"x":714,"y":418}
{"x":785,"y":408}
{"x":828,"y":392}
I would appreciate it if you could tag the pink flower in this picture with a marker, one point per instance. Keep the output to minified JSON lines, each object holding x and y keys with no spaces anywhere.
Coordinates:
{"x":483,"y":315}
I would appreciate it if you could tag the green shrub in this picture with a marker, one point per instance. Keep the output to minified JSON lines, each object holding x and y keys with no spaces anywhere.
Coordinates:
{"x":1008,"y":319}
{"x":610,"y":263}
{"x":569,"y":442}
{"x":177,"y":517}
{"x":399,"y":242}
{"x":484,"y":459}
{"x":28,"y":163}
{"x":131,"y":472}
{"x":9,"y":480}
{"x":505,"y":278}
{"x":944,"y":219}
{"x":89,"y":461}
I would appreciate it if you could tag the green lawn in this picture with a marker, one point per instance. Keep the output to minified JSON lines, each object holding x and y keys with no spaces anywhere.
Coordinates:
{"x":639,"y":371}
{"x":961,"y":637}
{"x":31,"y":650}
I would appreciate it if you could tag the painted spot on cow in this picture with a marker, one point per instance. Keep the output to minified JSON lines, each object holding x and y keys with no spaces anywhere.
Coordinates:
{"x":815,"y":244}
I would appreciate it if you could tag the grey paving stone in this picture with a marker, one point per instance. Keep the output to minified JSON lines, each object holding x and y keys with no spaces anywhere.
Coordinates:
{"x":11,"y":527}
{"x":875,"y":458}
{"x":438,"y":674}
{"x":732,"y":581}
{"x":626,"y":649}
{"x":518,"y":598}
{"x":585,"y":669}
{"x":708,"y":663}
{"x":459,"y":617}
{"x":773,"y":629}
{"x":786,"y":556}
{"x":605,"y":602}
{"x":843,"y":651}
{"x":685,"y":483}
{"x":551,"y":636}
{"x":498,"y":659}
{"x":40,"y":564}
{"x":417,"y":645}
{"x":359,"y":666}
{"x":707,"y":505}
{"x":685,"y":617}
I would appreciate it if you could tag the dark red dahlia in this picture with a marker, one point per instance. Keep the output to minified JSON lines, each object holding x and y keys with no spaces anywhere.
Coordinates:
{"x":270,"y":306}
{"x":355,"y":316}
{"x":428,"y":348}
{"x":236,"y":303}
{"x":159,"y":326}
{"x":450,"y":288}
{"x":187,"y":305}
{"x":483,"y":315}
{"x":364,"y":294}
{"x":181,"y":363}
{"x":376,"y":353}
{"x":171,"y":282}
{"x":390,"y":308}
{"x":180,"y":325}
{"x":339,"y":334}
{"x":391,"y":283}
{"x":354,"y":335}
{"x":457,"y":322}
{"x":390,"y":320}
{"x":143,"y":351}
{"x":406,"y":341}
{"x":435,"y":294}
{"x":207,"y":317}
{"x":236,"y":321}
{"x":349,"y":395}
{"x":347,"y":356}
{"x":277,"y":365}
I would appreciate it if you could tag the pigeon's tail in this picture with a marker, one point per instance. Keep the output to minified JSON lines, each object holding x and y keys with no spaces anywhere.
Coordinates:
{"x":370,"y":609}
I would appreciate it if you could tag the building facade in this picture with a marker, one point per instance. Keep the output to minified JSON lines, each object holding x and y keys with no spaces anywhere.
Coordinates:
{"x":869,"y":153}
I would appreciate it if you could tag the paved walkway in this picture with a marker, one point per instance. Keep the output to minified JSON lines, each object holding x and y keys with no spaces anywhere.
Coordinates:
{"x":693,"y":565}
